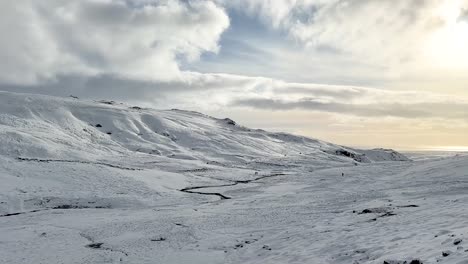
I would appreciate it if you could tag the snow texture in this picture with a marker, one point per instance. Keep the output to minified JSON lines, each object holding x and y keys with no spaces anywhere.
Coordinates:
{"x":105,"y":182}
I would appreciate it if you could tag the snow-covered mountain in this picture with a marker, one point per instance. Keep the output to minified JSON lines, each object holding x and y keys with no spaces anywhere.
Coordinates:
{"x":45,"y":127}
{"x":104,"y":182}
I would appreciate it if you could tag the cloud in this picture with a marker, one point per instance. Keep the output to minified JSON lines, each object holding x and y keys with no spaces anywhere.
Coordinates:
{"x":132,"y":51}
{"x":388,"y":33}
{"x":463,"y":17}
{"x":395,"y":109}
{"x":212,"y":92}
{"x":137,"y":39}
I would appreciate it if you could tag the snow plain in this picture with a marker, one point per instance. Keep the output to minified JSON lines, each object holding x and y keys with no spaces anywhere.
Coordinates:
{"x":104,"y":182}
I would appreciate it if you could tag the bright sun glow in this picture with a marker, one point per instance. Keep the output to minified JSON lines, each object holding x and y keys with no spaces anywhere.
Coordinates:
{"x":447,"y":46}
{"x":449,"y":148}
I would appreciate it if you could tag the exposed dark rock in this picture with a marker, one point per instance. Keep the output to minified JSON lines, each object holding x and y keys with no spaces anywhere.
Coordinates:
{"x":172,"y":137}
{"x":354,"y":156}
{"x":388,"y":214}
{"x":107,"y":102}
{"x":408,"y":206}
{"x":98,"y":125}
{"x":95,"y":245}
{"x":230,"y":121}
{"x":158,"y":239}
{"x":377,"y":210}
{"x":266,"y":247}
{"x":457,"y":241}
{"x":65,"y":206}
{"x":414,"y":261}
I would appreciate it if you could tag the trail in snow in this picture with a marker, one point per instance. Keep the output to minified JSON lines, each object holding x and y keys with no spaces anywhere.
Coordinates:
{"x":234,"y":182}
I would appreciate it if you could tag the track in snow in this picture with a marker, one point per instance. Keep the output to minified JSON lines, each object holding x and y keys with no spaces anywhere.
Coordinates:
{"x":222,"y":196}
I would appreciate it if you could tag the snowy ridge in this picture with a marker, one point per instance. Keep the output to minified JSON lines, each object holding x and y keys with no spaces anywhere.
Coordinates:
{"x":38,"y":126}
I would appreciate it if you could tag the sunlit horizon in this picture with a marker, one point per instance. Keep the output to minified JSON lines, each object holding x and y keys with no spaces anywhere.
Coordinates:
{"x":376,"y":73}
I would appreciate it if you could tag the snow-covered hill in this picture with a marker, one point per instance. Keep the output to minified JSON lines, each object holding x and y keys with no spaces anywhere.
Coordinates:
{"x":104,"y":182}
{"x":37,"y":126}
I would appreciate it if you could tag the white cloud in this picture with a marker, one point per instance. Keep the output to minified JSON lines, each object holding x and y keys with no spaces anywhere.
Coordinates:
{"x":139,"y":39}
{"x":130,"y":50}
{"x":214,"y":92}
{"x":398,"y":35}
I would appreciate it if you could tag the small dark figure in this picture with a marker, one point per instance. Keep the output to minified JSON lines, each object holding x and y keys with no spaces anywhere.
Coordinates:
{"x":342,"y":174}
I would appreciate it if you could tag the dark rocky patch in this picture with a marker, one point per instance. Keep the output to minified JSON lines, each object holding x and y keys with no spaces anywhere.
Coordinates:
{"x":457,"y":241}
{"x":95,"y":245}
{"x":354,"y":156}
{"x":446,"y":253}
{"x":266,"y":247}
{"x":20,"y":213}
{"x":230,"y":121}
{"x":78,"y":206}
{"x":166,"y":134}
{"x":414,"y":261}
{"x":98,"y":125}
{"x":387,"y":214}
{"x":66,"y":206}
{"x":107,"y":102}
{"x":382,"y":211}
{"x":196,"y":170}
{"x":377,"y":210}
{"x":158,"y":239}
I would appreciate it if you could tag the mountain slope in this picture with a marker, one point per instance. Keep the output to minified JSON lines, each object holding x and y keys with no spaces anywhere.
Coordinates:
{"x":52,"y":128}
{"x":103,"y":182}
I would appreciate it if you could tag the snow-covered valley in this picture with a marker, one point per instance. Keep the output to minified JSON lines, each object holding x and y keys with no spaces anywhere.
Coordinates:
{"x":105,"y":182}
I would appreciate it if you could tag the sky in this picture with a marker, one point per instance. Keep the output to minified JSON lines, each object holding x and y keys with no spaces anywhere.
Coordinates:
{"x":367,"y":73}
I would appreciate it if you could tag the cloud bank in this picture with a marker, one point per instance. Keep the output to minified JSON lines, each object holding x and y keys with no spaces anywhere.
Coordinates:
{"x":211,"y":92}
{"x":139,"y":39}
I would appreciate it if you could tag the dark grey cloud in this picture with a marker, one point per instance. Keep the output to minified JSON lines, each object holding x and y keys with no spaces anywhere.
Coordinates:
{"x":205,"y":92}
{"x":194,"y":90}
{"x":415,"y":110}
{"x":114,"y":87}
